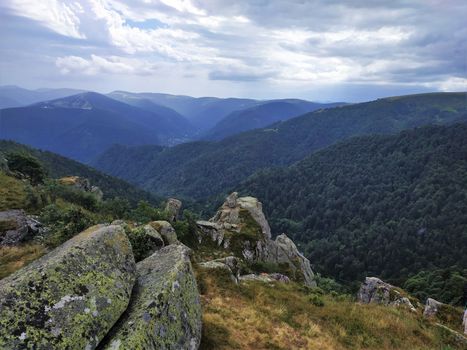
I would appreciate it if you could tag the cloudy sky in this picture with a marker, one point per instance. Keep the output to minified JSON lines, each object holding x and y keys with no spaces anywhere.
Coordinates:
{"x":320,"y":50}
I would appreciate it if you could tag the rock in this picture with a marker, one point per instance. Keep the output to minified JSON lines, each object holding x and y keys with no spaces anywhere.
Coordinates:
{"x":431,"y":307}
{"x":17,"y":227}
{"x":241,"y":227}
{"x":230,"y":264}
{"x":155,"y":236}
{"x":279,"y":277}
{"x":82,"y":184}
{"x":464,"y":321}
{"x":3,"y":163}
{"x":456,"y":336}
{"x":284,"y":251}
{"x":71,"y":297}
{"x":166,"y":230}
{"x":165,"y":310}
{"x":373,"y":290}
{"x":172,"y":208}
{"x":265,"y":277}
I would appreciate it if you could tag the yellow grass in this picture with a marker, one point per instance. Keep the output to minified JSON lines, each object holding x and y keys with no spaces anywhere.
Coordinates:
{"x":14,"y":258}
{"x":12,"y":193}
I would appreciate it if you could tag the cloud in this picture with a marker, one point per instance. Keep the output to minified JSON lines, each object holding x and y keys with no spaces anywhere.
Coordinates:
{"x":251,"y":46}
{"x":107,"y":65}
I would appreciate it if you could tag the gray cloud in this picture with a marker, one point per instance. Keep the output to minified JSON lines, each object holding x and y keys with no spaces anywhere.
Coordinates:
{"x":316,"y":49}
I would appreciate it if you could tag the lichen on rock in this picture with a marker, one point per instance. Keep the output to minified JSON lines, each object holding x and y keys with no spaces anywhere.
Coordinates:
{"x":165,"y":310}
{"x":71,"y":297}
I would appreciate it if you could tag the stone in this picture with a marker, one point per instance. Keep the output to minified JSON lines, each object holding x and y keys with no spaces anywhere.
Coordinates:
{"x":172,"y":208}
{"x":166,"y":231}
{"x":230,"y":264}
{"x":464,"y":321}
{"x":165,"y":310}
{"x":71,"y":297}
{"x":82,"y":184}
{"x":374,"y":290}
{"x":265,"y":277}
{"x":17,"y":227}
{"x":155,"y":235}
{"x":432,"y":307}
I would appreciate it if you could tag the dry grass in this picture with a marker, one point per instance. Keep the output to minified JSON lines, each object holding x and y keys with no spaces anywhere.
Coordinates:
{"x":14,"y":258}
{"x":280,"y":316}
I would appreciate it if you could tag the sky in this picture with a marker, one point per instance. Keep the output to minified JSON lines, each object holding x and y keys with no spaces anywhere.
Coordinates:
{"x":320,"y":50}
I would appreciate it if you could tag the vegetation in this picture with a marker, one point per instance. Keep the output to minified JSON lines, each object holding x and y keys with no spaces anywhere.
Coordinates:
{"x":258,"y":315}
{"x":390,"y":206}
{"x":198,"y":170}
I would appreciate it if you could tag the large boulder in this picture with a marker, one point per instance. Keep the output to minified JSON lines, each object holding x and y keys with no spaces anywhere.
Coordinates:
{"x":432,"y":307}
{"x":230,"y":264}
{"x":166,"y":230}
{"x":241,"y":227}
{"x":374,"y":290}
{"x":172,"y":208}
{"x":17,"y":227}
{"x":71,"y":297}
{"x":464,"y":321}
{"x":165,"y":310}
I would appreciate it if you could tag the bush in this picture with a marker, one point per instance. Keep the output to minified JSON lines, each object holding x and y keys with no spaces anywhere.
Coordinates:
{"x":141,"y":243}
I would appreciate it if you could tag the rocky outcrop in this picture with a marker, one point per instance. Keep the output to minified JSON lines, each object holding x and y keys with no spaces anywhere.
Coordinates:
{"x":432,"y":307}
{"x":241,"y":227}
{"x":230,"y":264}
{"x":82,"y":184}
{"x":374,"y":290}
{"x":464,"y":321}
{"x":166,"y":230}
{"x":265,"y":277}
{"x":154,"y":234}
{"x":17,"y":227}
{"x":172,"y":208}
{"x":165,"y":310}
{"x":71,"y":297}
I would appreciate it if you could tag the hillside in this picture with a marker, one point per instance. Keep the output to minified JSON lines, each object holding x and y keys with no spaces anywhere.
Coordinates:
{"x":84,"y":125}
{"x":58,"y":166}
{"x":391,"y":206}
{"x":201,"y":169}
{"x":261,"y":116}
{"x":14,"y":96}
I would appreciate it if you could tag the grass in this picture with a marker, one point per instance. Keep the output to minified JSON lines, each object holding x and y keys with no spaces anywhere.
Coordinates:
{"x":257,"y":315}
{"x":12,"y":193}
{"x":15,"y":257}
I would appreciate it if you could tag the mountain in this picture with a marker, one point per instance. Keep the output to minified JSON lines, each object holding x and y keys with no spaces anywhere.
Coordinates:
{"x":58,"y":166}
{"x":201,"y":169}
{"x":14,"y":96}
{"x":262,"y":115}
{"x":389,"y":206}
{"x":202,"y":112}
{"x":84,"y":125}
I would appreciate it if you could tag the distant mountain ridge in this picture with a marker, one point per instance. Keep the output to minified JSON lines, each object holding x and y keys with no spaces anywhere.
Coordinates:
{"x":14,"y":96}
{"x":202,"y":169}
{"x":262,"y":115}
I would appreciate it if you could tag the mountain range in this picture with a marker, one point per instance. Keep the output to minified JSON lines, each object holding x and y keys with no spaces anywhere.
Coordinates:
{"x":202,"y":169}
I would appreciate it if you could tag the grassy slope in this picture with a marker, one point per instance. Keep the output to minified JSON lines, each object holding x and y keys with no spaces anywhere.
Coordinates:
{"x":283,"y":316}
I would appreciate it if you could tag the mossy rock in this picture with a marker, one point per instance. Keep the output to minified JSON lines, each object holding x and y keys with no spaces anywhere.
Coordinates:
{"x":165,"y":310}
{"x":71,"y":297}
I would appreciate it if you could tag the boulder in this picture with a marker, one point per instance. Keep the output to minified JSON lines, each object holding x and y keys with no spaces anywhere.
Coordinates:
{"x":71,"y":297}
{"x":17,"y":227}
{"x":464,"y":321}
{"x":230,"y":264}
{"x":155,"y":235}
{"x":432,"y":307}
{"x":265,"y":277}
{"x":166,"y":231}
{"x":374,"y":290}
{"x":82,"y":184}
{"x":165,"y":310}
{"x":172,"y":208}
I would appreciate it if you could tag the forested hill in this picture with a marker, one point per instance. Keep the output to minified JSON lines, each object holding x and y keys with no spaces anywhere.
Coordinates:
{"x":201,"y":169}
{"x":58,"y":166}
{"x":389,"y":206}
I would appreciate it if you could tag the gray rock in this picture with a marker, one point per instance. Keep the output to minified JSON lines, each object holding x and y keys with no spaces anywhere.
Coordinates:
{"x":229,"y":264}
{"x":82,"y":184}
{"x":71,"y":297}
{"x":265,"y":277}
{"x":432,"y":307}
{"x":165,"y":310}
{"x":464,"y":321}
{"x":17,"y":227}
{"x":166,"y":231}
{"x":172,"y":208}
{"x":374,"y":290}
{"x":155,"y":235}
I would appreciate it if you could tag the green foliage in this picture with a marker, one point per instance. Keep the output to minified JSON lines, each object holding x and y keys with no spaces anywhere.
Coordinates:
{"x":186,"y":229}
{"x":27,"y":165}
{"x":447,"y":285}
{"x":202,"y":169}
{"x":84,"y":199}
{"x":141,"y":243}
{"x":64,"y":222}
{"x":144,"y":212}
{"x":387,"y":206}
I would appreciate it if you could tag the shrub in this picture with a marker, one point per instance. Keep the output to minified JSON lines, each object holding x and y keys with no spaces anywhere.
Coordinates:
{"x":27,"y":165}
